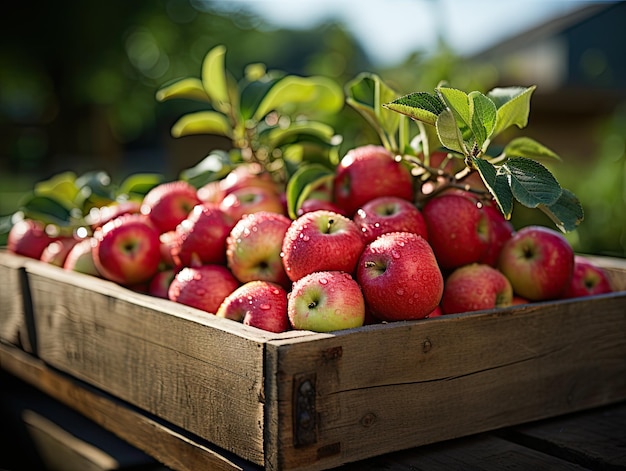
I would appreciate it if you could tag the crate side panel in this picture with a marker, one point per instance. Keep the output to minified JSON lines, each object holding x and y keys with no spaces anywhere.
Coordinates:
{"x":394,"y":387}
{"x":206,"y":380}
{"x":14,"y":326}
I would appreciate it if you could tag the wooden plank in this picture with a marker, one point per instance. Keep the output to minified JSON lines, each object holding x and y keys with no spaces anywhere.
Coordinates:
{"x":391,"y":387}
{"x":594,"y":438}
{"x":15,"y":315}
{"x":175,"y":450}
{"x":484,"y":452}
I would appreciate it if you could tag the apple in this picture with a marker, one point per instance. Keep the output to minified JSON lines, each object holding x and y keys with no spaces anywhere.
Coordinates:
{"x":127,"y":250}
{"x":80,"y":258}
{"x":588,"y":279}
{"x":168,"y":204}
{"x":246,"y":176}
{"x":400,"y":277}
{"x":201,"y":237}
{"x":389,"y":214}
{"x":203,"y":287}
{"x":56,"y":251}
{"x":254,"y":245}
{"x":29,"y":238}
{"x":475,"y":287}
{"x":500,"y":230}
{"x":168,"y":240}
{"x":435,"y":313}
{"x":160,"y":283}
{"x":99,"y":216}
{"x":251,"y":199}
{"x":325,"y":301}
{"x":458,"y":229}
{"x":367,"y":172}
{"x":260,"y":304}
{"x":321,"y":241}
{"x":313,"y":204}
{"x":539,"y":263}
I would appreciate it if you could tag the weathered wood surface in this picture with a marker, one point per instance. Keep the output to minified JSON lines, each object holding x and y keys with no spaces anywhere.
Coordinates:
{"x":385,"y":388}
{"x":15,"y":315}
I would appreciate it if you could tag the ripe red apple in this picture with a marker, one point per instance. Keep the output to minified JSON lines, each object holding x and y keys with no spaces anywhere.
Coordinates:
{"x":475,"y":287}
{"x":251,"y":199}
{"x":400,"y":277}
{"x":260,"y":304}
{"x":127,"y":250}
{"x":389,"y":214}
{"x":99,"y":216}
{"x":203,"y":287}
{"x":81,"y":259}
{"x":160,"y":283}
{"x":29,"y":238}
{"x":321,"y":241}
{"x":202,"y":237}
{"x":367,"y":172}
{"x":325,"y":301}
{"x":245,"y":176}
{"x":168,"y":204}
{"x":539,"y":263}
{"x":500,"y":230}
{"x":253,"y":248}
{"x":588,"y":279}
{"x":458,"y":229}
{"x":56,"y":251}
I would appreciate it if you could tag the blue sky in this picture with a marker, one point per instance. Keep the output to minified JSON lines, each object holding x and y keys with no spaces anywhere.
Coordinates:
{"x":390,"y":29}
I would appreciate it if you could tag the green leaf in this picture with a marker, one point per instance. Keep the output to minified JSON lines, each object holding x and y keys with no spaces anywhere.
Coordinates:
{"x":96,"y":189}
{"x":202,"y":122}
{"x":292,"y":94}
{"x":529,"y":148}
{"x":497,"y":184}
{"x":301,"y":130}
{"x":214,"y":166}
{"x":483,"y":114}
{"x":567,"y":212}
{"x":190,"y":88}
{"x":367,"y":94}
{"x":531,"y":183}
{"x":450,"y":134}
{"x":137,"y":185}
{"x":420,"y":106}
{"x":214,"y":78}
{"x":61,"y":187}
{"x":47,"y":210}
{"x":253,"y":92}
{"x":513,"y":105}
{"x":302,"y":182}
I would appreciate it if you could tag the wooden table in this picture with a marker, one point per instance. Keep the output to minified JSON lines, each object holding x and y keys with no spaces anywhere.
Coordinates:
{"x":594,"y":439}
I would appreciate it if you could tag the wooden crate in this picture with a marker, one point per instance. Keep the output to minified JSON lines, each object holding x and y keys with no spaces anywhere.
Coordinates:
{"x":15,"y":314}
{"x":301,"y":400}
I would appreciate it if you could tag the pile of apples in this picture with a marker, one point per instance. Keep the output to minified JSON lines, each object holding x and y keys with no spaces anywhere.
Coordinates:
{"x":362,"y":249}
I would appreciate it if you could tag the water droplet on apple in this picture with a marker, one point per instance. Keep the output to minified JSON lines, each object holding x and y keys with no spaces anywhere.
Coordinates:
{"x":399,"y":291}
{"x":265,"y":307}
{"x":200,"y":292}
{"x":395,"y":254}
{"x":323,"y":281}
{"x":377,"y":225}
{"x":305,"y":238}
{"x":275,"y":291}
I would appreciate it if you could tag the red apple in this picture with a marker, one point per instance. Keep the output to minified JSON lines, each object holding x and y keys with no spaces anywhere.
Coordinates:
{"x":246,"y":176}
{"x":368,"y":172}
{"x":475,"y":287}
{"x":80,"y":258}
{"x":588,"y":279}
{"x":435,"y":313}
{"x":321,"y":241}
{"x":325,"y":301}
{"x":29,"y":238}
{"x":251,"y":199}
{"x":203,"y":287}
{"x":168,"y":204}
{"x":56,"y":252}
{"x":202,"y":237}
{"x":260,"y":304}
{"x":400,"y":277}
{"x":500,"y":230}
{"x":539,"y":263}
{"x":313,"y":204}
{"x":127,"y":250}
{"x":458,"y":229}
{"x":98,"y":217}
{"x":254,"y":245}
{"x":389,"y":214}
{"x":160,"y":283}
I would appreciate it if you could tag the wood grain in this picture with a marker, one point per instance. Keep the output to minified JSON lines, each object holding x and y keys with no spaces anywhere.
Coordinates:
{"x":14,"y":320}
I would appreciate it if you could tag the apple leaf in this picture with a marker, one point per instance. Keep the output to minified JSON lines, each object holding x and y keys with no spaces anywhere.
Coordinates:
{"x":301,"y":130}
{"x":483,"y":114}
{"x":367,"y":94}
{"x":202,"y":122}
{"x":531,"y":183}
{"x":214,"y":78}
{"x":302,"y":182}
{"x":449,"y":133}
{"x":214,"y":166}
{"x":529,"y":148}
{"x":497,"y":184}
{"x":513,"y":105}
{"x":47,"y":209}
{"x":292,"y":94}
{"x":566,"y":213}
{"x":420,"y":106}
{"x":61,"y":187}
{"x":190,"y":88}
{"x":137,"y":185}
